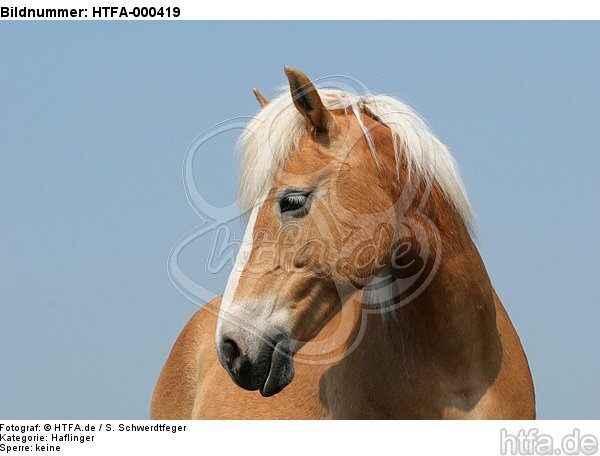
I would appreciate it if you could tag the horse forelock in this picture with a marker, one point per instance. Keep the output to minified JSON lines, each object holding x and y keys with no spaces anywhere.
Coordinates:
{"x":278,"y":128}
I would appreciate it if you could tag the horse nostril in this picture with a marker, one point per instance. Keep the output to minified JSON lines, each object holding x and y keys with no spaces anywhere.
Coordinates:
{"x":230,"y":351}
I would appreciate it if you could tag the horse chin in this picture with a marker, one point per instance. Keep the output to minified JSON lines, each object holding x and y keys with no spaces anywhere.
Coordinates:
{"x":281,"y":371}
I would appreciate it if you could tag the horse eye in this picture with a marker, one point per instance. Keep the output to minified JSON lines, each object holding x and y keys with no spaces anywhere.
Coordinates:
{"x":295,"y":203}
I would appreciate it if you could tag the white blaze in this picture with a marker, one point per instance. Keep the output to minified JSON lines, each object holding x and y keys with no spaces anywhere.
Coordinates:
{"x":239,"y":266}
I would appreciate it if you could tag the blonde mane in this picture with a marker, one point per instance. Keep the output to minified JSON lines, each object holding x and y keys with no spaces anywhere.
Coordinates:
{"x":278,"y":128}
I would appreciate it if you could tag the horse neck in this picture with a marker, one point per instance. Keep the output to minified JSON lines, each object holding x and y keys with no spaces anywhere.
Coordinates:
{"x":441,"y":350}
{"x":452,"y":322}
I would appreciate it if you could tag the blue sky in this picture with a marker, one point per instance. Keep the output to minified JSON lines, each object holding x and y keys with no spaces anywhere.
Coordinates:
{"x":95,"y":119}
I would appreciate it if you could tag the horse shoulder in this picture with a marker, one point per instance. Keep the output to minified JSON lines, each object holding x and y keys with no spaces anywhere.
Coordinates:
{"x":511,"y":394}
{"x":175,"y":392}
{"x":514,"y":382}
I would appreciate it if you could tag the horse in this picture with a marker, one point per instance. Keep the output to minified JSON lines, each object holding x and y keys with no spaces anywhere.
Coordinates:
{"x":358,"y":291}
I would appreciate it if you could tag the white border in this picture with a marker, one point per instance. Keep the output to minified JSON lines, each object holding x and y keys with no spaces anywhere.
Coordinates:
{"x":350,"y":9}
{"x":302,"y":438}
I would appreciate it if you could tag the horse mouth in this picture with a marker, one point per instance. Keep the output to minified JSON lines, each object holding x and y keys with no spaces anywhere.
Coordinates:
{"x":281,"y":369}
{"x":266,"y":365}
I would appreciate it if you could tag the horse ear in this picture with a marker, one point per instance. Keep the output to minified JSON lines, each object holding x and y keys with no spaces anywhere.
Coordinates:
{"x":308,"y":102}
{"x":259,"y":96}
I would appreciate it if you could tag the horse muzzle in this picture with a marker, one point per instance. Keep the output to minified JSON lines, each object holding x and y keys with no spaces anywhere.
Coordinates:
{"x":255,"y":362}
